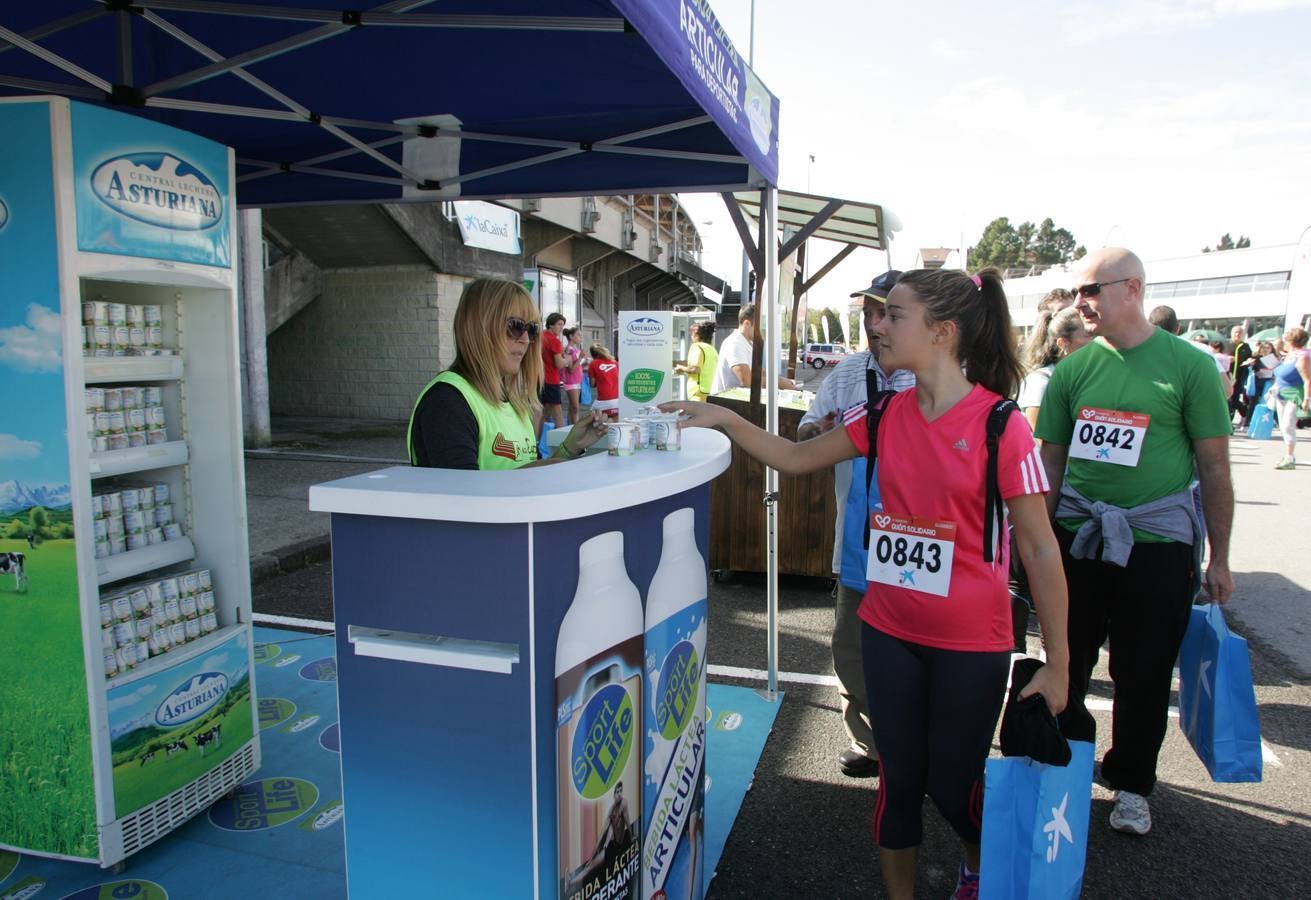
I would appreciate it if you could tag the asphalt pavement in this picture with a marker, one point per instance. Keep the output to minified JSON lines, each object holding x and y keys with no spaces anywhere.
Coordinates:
{"x":804,"y":829}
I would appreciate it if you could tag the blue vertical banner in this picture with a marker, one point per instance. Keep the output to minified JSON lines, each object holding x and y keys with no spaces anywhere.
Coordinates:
{"x":693,"y":44}
{"x":47,"y":797}
{"x":148,"y":190}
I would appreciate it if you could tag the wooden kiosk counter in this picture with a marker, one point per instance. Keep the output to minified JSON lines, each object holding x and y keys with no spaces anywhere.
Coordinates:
{"x":737,"y":521}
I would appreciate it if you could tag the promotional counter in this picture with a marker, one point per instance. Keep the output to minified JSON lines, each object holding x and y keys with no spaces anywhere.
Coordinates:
{"x":449,"y":591}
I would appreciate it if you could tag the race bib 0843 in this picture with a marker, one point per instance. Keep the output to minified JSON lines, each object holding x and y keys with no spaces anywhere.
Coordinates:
{"x":1109,"y":436}
{"x":911,"y":553}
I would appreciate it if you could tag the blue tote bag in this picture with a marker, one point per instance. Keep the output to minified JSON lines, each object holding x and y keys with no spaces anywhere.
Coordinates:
{"x":1217,"y":702}
{"x":1262,"y":425}
{"x":1035,"y":826}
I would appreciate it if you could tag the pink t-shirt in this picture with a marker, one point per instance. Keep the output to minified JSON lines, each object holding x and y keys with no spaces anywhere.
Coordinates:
{"x":573,"y":377}
{"x":937,"y":471}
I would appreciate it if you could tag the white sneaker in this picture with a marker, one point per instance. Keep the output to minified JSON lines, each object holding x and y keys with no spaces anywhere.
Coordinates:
{"x":1131,"y":814}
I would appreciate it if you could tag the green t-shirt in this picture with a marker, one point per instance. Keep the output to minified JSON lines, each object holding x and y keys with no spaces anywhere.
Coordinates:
{"x":1163,"y":377}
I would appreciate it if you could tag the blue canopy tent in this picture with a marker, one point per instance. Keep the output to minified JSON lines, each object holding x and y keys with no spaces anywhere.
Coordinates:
{"x":413,"y":100}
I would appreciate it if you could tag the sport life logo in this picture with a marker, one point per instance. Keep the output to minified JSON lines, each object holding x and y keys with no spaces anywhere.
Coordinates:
{"x":158,"y":189}
{"x":677,"y":690}
{"x":266,"y":803}
{"x":121,"y":890}
{"x":320,"y":670}
{"x":645,"y":327}
{"x":192,"y":700}
{"x":274,"y":711}
{"x":603,"y":741}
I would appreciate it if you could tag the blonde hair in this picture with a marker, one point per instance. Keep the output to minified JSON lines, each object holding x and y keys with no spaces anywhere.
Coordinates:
{"x":599,"y":351}
{"x":480,"y":333}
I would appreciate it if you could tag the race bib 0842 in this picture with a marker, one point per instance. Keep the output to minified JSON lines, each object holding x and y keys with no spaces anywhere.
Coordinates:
{"x":911,"y":553}
{"x":1109,"y":436}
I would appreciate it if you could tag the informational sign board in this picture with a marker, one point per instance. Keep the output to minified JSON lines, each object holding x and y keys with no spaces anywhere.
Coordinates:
{"x":646,"y":359}
{"x":488,"y":226}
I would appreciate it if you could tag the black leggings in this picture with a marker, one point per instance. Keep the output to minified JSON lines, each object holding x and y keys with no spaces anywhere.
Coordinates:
{"x":934,"y":712}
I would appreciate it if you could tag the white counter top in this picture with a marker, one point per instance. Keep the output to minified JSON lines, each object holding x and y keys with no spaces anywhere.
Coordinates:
{"x":582,"y":487}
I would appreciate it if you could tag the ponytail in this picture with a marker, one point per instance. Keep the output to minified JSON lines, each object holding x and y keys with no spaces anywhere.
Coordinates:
{"x":985,"y":343}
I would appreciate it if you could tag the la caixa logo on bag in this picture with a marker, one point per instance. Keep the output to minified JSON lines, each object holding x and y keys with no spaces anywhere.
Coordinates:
{"x":158,"y":189}
{"x":193,"y":699}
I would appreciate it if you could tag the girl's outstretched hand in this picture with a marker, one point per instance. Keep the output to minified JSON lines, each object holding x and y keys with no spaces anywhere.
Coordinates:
{"x":699,"y":415}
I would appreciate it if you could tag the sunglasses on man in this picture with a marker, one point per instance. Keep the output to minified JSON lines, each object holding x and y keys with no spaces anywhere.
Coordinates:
{"x":516,"y":328}
{"x":1093,"y":288}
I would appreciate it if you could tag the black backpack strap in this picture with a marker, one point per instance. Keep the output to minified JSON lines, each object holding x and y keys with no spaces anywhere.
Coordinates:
{"x":994,"y":515}
{"x":876,"y":401}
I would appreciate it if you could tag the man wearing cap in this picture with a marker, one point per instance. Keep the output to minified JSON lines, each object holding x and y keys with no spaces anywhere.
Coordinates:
{"x":846,"y":386}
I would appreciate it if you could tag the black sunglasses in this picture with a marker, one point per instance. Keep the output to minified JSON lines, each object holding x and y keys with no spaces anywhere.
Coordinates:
{"x":1094,"y":288}
{"x":516,"y":327}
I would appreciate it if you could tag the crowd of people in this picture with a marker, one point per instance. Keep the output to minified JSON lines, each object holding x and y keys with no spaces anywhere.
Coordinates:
{"x":1087,"y":478}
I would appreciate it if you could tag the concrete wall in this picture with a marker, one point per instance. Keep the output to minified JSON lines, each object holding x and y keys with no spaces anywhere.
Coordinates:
{"x":367,"y":346}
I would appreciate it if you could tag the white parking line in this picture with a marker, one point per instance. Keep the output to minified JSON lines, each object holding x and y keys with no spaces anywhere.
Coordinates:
{"x":762,"y":675}
{"x":267,"y":619}
{"x":1099,"y":705}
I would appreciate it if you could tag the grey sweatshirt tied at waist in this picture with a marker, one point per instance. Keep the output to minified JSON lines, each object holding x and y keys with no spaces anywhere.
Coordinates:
{"x":1172,"y":516}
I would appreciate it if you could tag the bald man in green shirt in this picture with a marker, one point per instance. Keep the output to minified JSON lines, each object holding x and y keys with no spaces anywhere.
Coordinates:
{"x":1123,"y":423}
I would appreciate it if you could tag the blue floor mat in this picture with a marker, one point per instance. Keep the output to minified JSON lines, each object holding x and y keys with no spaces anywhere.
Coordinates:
{"x":281,"y":835}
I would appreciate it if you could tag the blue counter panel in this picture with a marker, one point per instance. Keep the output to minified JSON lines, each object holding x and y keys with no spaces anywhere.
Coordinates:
{"x":436,"y":761}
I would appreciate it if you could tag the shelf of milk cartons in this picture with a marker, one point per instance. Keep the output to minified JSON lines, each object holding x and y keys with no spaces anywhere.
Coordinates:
{"x":189,"y":650}
{"x":138,"y":459}
{"x":110,"y":369}
{"x":138,"y":562}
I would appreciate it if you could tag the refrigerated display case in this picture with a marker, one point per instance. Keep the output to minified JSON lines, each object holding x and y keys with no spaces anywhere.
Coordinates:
{"x":126,"y":693}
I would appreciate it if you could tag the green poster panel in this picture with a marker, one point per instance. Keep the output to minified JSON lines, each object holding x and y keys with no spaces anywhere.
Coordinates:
{"x":47,"y":796}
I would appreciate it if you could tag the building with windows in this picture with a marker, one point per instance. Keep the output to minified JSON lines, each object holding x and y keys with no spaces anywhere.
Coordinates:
{"x":1256,"y":287}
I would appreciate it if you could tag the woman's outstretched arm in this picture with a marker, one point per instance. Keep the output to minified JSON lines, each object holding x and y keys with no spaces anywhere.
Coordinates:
{"x":776,"y":452}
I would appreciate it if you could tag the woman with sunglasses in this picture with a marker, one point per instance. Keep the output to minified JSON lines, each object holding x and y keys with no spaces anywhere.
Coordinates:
{"x":483,"y":412}
{"x":936,"y":632}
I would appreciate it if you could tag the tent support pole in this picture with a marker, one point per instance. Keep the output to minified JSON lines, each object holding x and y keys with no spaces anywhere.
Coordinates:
{"x":769,"y":296}
{"x":254,"y":338}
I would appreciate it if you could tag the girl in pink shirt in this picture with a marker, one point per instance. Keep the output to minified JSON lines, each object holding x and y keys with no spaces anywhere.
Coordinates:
{"x":936,"y":613}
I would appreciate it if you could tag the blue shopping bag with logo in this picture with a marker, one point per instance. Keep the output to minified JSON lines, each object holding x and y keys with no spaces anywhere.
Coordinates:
{"x":1035,"y":826}
{"x":1262,"y":425}
{"x":1217,"y":702}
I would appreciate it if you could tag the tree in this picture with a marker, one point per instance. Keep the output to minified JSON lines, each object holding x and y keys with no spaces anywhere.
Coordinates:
{"x":39,"y":518}
{"x":1006,"y":246}
{"x":1000,"y":246}
{"x":1226,"y":242}
{"x":815,"y":326}
{"x":16,"y":530}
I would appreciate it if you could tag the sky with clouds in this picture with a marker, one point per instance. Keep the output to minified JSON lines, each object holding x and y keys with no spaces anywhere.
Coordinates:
{"x":1159,"y":124}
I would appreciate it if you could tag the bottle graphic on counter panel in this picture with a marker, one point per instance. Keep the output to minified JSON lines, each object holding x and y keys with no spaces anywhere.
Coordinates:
{"x":674,"y":719}
{"x":598,"y":693}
